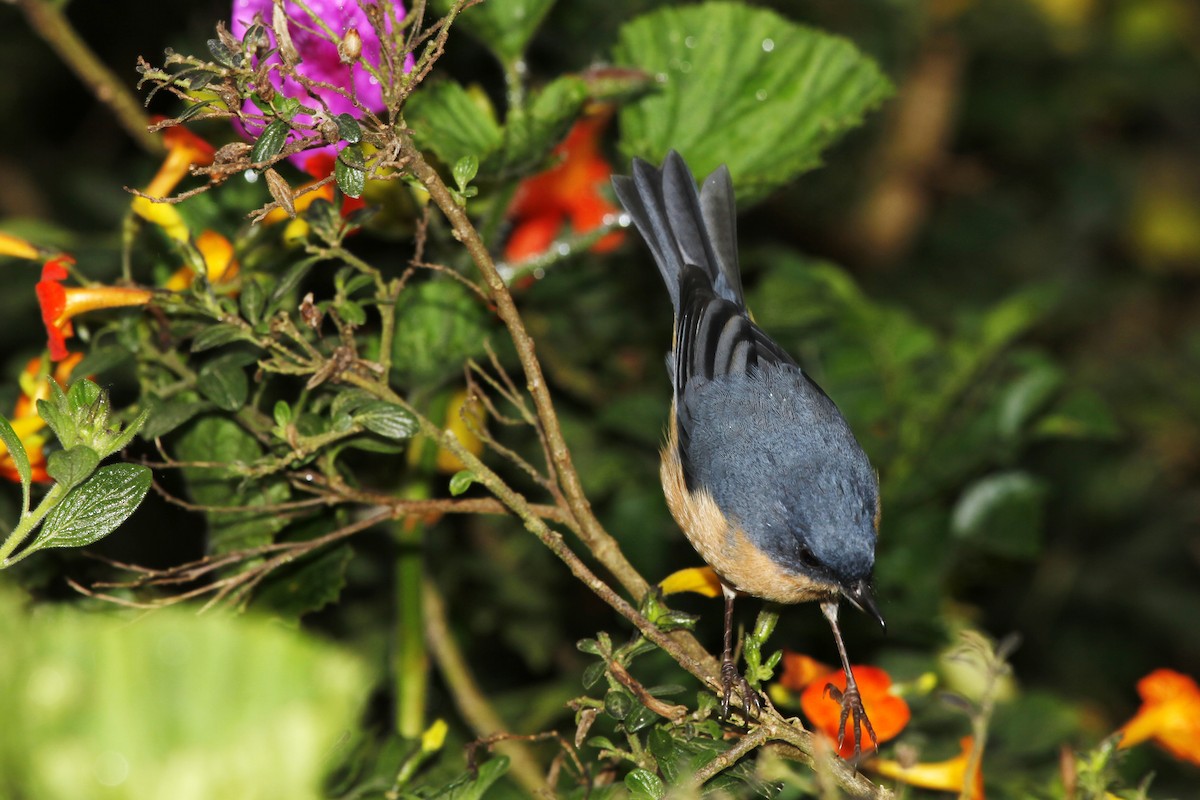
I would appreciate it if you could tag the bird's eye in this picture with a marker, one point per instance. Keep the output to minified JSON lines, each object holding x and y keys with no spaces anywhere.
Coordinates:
{"x":807,"y":558}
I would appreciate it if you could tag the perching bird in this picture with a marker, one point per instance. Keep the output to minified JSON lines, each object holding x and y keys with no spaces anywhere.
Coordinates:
{"x":760,"y":469}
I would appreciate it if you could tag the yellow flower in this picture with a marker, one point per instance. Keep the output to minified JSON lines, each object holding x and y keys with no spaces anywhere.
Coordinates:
{"x":184,"y":149}
{"x":948,"y":776}
{"x":28,"y":425}
{"x":464,"y":419}
{"x":701,"y":580}
{"x":19,"y":248}
{"x":219,"y":264}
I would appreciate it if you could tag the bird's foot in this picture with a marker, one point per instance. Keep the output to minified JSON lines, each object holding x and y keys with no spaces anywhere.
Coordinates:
{"x":852,"y":709}
{"x":751,"y":702}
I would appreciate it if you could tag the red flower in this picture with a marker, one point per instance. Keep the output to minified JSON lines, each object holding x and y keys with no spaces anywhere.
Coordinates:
{"x":888,"y":712}
{"x":61,"y":303}
{"x":569,"y":191}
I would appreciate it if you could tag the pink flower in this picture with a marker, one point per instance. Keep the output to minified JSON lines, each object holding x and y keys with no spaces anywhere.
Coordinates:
{"x":319,"y":57}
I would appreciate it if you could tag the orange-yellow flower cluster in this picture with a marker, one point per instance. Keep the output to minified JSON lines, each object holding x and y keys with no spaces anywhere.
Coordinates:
{"x":29,"y":427}
{"x":1170,"y":715}
{"x":569,"y":191}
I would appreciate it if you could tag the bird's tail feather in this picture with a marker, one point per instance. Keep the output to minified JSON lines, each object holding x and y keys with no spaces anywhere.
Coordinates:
{"x":684,"y":226}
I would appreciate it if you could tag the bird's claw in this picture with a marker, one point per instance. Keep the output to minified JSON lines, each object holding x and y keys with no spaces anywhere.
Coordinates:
{"x":852,"y":708}
{"x":751,"y":703}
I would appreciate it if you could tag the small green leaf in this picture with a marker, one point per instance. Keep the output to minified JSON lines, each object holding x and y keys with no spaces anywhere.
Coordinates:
{"x":348,"y":171}
{"x":348,"y":128}
{"x":351,"y":313}
{"x":223,"y":381}
{"x":83,"y":396}
{"x":72,"y":467}
{"x":94,"y":509}
{"x":586,"y":645}
{"x":465,"y":170}
{"x":20,"y":459}
{"x":618,"y":703}
{"x":223,"y":55}
{"x":1002,"y":513}
{"x":504,"y":26}
{"x":270,"y":142}
{"x":386,"y":419}
{"x":745,"y":87}
{"x":167,"y":415}
{"x":461,"y":481}
{"x":639,"y":718}
{"x":252,"y":300}
{"x":645,"y":785}
{"x":282,"y":413}
{"x":593,"y":675}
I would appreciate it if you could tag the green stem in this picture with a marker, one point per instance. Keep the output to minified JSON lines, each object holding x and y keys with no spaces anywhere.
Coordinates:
{"x":28,"y":524}
{"x":410,"y":661}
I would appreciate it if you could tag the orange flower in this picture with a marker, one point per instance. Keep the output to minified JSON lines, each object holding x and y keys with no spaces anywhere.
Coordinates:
{"x":29,"y":427}
{"x":62,"y":303}
{"x":219,"y":264}
{"x":1170,"y":715}
{"x":887,"y":711}
{"x":184,"y":149}
{"x":568,"y":191}
{"x":800,"y":670}
{"x":948,"y":776}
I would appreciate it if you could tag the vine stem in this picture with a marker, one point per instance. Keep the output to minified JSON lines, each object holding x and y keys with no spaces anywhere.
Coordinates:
{"x":51,"y":24}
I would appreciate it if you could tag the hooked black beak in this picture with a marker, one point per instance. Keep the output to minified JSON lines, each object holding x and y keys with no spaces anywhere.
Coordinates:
{"x":861,"y":596}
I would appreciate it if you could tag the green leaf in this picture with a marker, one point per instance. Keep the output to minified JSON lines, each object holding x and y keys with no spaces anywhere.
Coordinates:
{"x":282,"y":413}
{"x":503,"y":26}
{"x":269,"y":142}
{"x":1002,"y":513}
{"x":745,"y":87}
{"x":94,"y":509}
{"x":251,"y":301}
{"x":348,"y":171}
{"x":83,"y":398}
{"x":530,"y":133}
{"x":386,"y":419}
{"x":229,"y":706}
{"x":645,"y":785}
{"x":439,"y":324}
{"x":223,"y":381}
{"x":72,"y":467}
{"x":20,"y":459}
{"x":461,"y":481}
{"x":223,"y":55}
{"x":1082,"y":414}
{"x":167,"y":415}
{"x":465,"y":170}
{"x":308,"y":586}
{"x":474,"y":785}
{"x":1026,"y":396}
{"x":348,"y":128}
{"x":451,"y":122}
{"x":219,"y":334}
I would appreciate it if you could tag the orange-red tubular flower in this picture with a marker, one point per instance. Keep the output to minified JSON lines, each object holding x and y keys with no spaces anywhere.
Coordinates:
{"x":60,"y":304}
{"x":29,"y":427}
{"x":887,"y":711}
{"x":1170,"y":715}
{"x":948,"y":776}
{"x":569,"y":191}
{"x":220,"y":266}
{"x":799,"y":671}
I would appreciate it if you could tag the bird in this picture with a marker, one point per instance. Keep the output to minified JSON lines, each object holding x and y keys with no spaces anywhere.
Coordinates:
{"x":759,"y":469}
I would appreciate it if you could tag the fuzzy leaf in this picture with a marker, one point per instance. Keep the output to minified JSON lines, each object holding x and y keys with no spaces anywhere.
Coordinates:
{"x":94,"y":509}
{"x":71,"y":467}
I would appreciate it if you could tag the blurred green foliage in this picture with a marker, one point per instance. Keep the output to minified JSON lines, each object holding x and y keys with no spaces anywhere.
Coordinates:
{"x":997,"y":279}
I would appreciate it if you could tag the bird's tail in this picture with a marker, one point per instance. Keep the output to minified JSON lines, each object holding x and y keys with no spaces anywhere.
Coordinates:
{"x":683,"y":226}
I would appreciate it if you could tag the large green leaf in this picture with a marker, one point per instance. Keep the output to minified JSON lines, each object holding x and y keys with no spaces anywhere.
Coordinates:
{"x":439,"y":324}
{"x":107,"y":707}
{"x":94,"y":509}
{"x":745,"y":87}
{"x":452,"y":122}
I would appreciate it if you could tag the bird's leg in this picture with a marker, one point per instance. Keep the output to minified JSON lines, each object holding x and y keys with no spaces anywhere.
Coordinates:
{"x":751,"y":704}
{"x":850,"y":700}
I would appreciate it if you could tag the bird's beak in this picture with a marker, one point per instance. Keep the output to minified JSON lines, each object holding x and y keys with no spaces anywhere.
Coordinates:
{"x":861,"y":596}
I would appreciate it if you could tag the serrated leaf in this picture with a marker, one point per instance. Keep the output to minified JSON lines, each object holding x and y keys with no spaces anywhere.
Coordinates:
{"x":745,"y":87}
{"x":269,"y":142}
{"x":94,"y":509}
{"x":20,"y":459}
{"x":645,"y":785}
{"x":348,"y":171}
{"x":452,"y":123}
{"x":504,"y":26}
{"x":461,"y":481}
{"x":71,"y":467}
{"x":348,"y":128}
{"x":386,"y":419}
